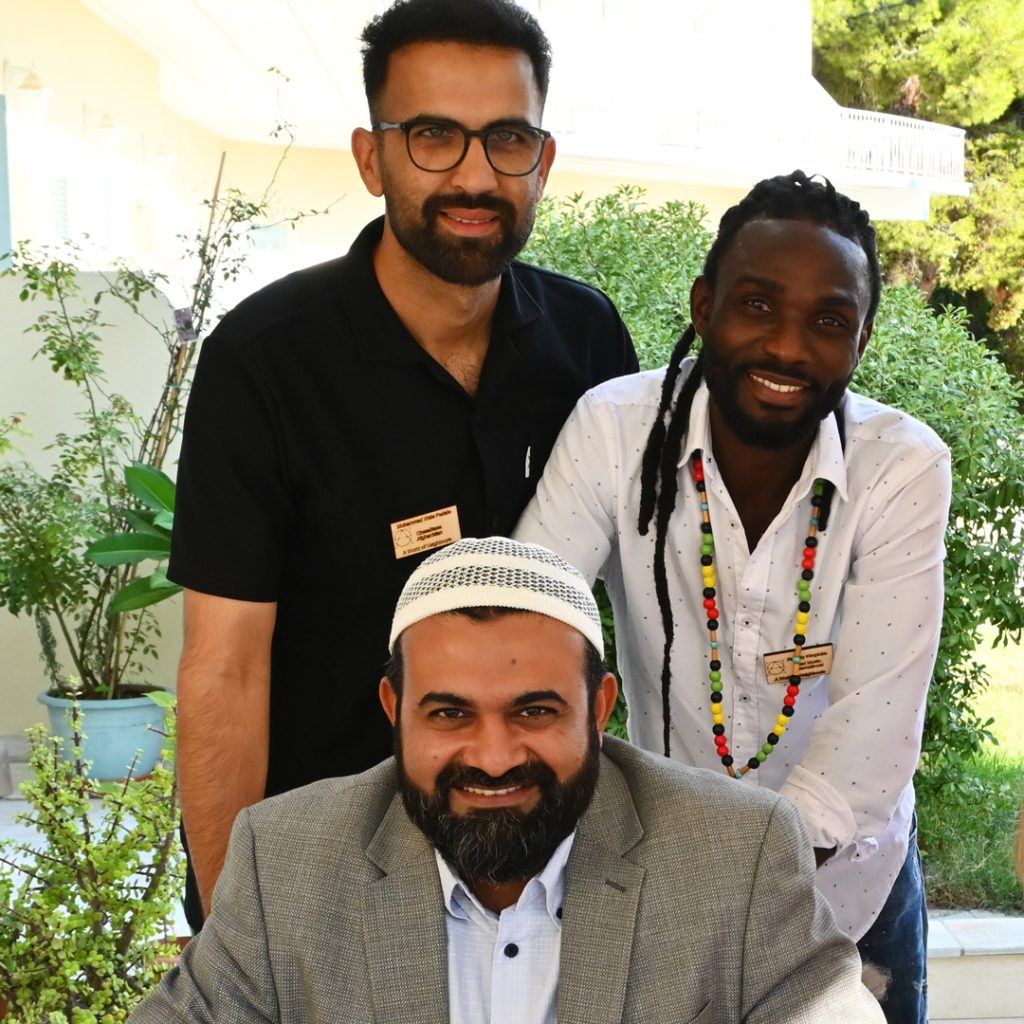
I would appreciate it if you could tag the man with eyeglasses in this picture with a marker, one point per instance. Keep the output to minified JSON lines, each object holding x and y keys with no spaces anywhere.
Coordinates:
{"x":351,"y":418}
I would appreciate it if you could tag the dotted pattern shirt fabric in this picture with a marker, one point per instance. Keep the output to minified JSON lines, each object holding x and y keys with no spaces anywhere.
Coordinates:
{"x":503,"y":968}
{"x":849,"y":754}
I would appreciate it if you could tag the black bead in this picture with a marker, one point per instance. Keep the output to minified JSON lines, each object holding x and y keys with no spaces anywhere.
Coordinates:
{"x":787,"y":710}
{"x":727,"y":760}
{"x":817,"y":500}
{"x":715,"y":666}
{"x":799,"y":639}
{"x":807,"y":574}
{"x":810,"y":542}
{"x":718,"y":730}
{"x":712,"y":624}
{"x":804,"y":606}
{"x":709,"y":591}
{"x":705,"y":527}
{"x":701,"y":485}
{"x":773,"y":738}
{"x":716,"y":696}
{"x":753,"y":763}
{"x":706,"y":559}
{"x":794,"y":680}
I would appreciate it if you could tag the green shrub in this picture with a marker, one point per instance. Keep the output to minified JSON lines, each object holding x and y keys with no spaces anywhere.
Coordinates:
{"x":84,"y":911}
{"x":925,"y":363}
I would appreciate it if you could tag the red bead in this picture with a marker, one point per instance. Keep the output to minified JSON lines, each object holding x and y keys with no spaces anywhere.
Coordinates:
{"x":809,"y":552}
{"x":723,"y":751}
{"x":720,"y":741}
{"x":713,"y":612}
{"x":808,"y":563}
{"x":789,"y":701}
{"x":709,"y":602}
{"x":793,"y":691}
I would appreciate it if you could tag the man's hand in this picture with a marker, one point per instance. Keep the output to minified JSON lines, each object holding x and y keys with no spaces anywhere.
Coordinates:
{"x":223,"y":723}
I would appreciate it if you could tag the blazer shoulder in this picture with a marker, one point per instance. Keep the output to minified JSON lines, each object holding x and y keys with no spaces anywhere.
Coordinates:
{"x":346,"y":810}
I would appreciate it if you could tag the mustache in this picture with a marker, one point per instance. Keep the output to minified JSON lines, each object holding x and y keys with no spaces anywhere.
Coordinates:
{"x":433,"y":205}
{"x":458,"y":775}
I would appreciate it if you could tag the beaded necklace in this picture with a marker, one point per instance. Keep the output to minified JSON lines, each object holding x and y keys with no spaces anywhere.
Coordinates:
{"x":820,"y":503}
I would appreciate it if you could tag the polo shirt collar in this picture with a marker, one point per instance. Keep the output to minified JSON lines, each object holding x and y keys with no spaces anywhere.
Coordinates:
{"x":381,"y":334}
{"x":825,"y":460}
{"x":549,"y":883}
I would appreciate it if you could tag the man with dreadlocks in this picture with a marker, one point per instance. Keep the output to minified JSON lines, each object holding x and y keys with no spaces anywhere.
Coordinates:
{"x":773,"y":548}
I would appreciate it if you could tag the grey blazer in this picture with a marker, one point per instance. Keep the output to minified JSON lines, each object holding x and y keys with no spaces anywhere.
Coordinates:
{"x":689,"y":898}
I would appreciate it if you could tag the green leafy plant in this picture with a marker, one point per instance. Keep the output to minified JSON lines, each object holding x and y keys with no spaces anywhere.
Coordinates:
{"x":85,"y":910}
{"x":923,"y":361}
{"x":95,"y":611}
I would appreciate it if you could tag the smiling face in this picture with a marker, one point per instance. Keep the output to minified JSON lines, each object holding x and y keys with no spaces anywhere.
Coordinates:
{"x":496,"y":738}
{"x":466,"y":224}
{"x":784,"y":327}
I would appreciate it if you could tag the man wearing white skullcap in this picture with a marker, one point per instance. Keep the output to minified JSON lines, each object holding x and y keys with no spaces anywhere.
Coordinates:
{"x":512,"y":863}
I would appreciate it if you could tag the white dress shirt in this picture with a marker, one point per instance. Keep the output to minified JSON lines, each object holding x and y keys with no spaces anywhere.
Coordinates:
{"x":849,"y":754}
{"x":503,"y":968}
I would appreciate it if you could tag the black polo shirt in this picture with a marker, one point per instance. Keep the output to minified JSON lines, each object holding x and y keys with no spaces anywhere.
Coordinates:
{"x":315,"y":422}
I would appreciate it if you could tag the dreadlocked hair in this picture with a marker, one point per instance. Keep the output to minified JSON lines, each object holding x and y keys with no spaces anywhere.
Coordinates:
{"x":785,"y":197}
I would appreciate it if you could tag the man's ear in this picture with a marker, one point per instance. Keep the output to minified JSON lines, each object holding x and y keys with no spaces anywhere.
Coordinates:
{"x":546,"y":160}
{"x":604,"y":701}
{"x":366,"y":153}
{"x":701,"y":301}
{"x":865,"y":337}
{"x":388,"y":700}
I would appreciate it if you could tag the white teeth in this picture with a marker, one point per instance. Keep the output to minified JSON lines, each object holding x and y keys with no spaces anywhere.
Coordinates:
{"x":785,"y":389}
{"x":467,"y":220}
{"x":490,"y":792}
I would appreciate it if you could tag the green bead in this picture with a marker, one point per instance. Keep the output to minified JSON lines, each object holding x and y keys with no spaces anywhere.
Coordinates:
{"x":766,"y":749}
{"x":716,"y":685}
{"x":715,"y":676}
{"x":762,"y":756}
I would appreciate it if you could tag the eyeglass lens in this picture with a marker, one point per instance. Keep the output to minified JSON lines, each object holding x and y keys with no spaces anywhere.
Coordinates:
{"x":439,"y":147}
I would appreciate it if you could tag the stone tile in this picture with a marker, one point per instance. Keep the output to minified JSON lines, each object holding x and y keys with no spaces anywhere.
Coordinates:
{"x":988,"y":935}
{"x":969,"y":988}
{"x":941,"y":942}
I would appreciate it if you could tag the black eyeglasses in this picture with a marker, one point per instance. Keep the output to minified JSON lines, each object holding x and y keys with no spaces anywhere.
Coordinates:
{"x":512,"y":149}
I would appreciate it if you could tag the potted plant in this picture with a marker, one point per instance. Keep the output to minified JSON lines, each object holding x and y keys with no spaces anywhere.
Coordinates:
{"x":85,"y":912}
{"x":71,"y":538}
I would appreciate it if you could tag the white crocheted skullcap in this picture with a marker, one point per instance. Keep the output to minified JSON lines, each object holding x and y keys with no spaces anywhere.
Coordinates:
{"x":495,"y":572}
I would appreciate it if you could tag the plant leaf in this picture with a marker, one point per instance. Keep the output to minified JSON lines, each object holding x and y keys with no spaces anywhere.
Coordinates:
{"x":128,"y":548}
{"x":151,"y":486}
{"x":143,"y":592}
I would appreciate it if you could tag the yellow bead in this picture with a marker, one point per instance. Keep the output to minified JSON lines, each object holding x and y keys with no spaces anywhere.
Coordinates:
{"x":802,"y":618}
{"x":781,"y":721}
{"x":719,"y":719}
{"x":779,"y":730}
{"x":708,"y":570}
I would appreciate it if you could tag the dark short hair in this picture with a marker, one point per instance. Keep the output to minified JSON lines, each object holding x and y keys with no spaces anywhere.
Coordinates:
{"x":594,"y":668}
{"x":475,"y":22}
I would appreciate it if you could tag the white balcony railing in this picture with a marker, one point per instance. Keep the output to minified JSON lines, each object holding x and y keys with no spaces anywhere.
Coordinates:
{"x":902,"y":145}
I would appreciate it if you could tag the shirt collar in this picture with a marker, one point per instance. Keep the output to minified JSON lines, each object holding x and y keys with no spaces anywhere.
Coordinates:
{"x":549,"y":884}
{"x":383,"y":336}
{"x":825,"y":460}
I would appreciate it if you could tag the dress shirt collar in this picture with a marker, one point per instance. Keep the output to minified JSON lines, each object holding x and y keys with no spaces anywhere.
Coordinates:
{"x":550,"y":884}
{"x":825,"y":460}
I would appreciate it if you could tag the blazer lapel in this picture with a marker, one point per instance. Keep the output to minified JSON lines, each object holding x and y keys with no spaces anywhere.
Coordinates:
{"x":404,"y":935}
{"x":602,"y":893}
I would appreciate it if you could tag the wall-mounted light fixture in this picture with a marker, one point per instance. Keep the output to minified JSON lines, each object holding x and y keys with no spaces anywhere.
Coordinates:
{"x":25,"y":91}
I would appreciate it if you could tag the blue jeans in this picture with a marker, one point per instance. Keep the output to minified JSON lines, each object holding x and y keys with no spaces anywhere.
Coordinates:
{"x":897,"y":943}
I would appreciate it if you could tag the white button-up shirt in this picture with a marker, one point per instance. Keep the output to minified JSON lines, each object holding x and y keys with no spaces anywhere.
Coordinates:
{"x":850,"y":751}
{"x":503,"y":968}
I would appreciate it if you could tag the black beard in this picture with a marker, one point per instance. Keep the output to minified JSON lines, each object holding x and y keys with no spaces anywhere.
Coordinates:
{"x":467,"y":261}
{"x":501,"y":845}
{"x":765,"y":432}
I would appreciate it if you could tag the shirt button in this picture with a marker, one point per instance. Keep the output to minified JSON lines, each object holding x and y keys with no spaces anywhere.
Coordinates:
{"x":511,"y":950}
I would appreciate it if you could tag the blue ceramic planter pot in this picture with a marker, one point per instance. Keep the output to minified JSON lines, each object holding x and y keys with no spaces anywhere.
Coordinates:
{"x":114,"y":731}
